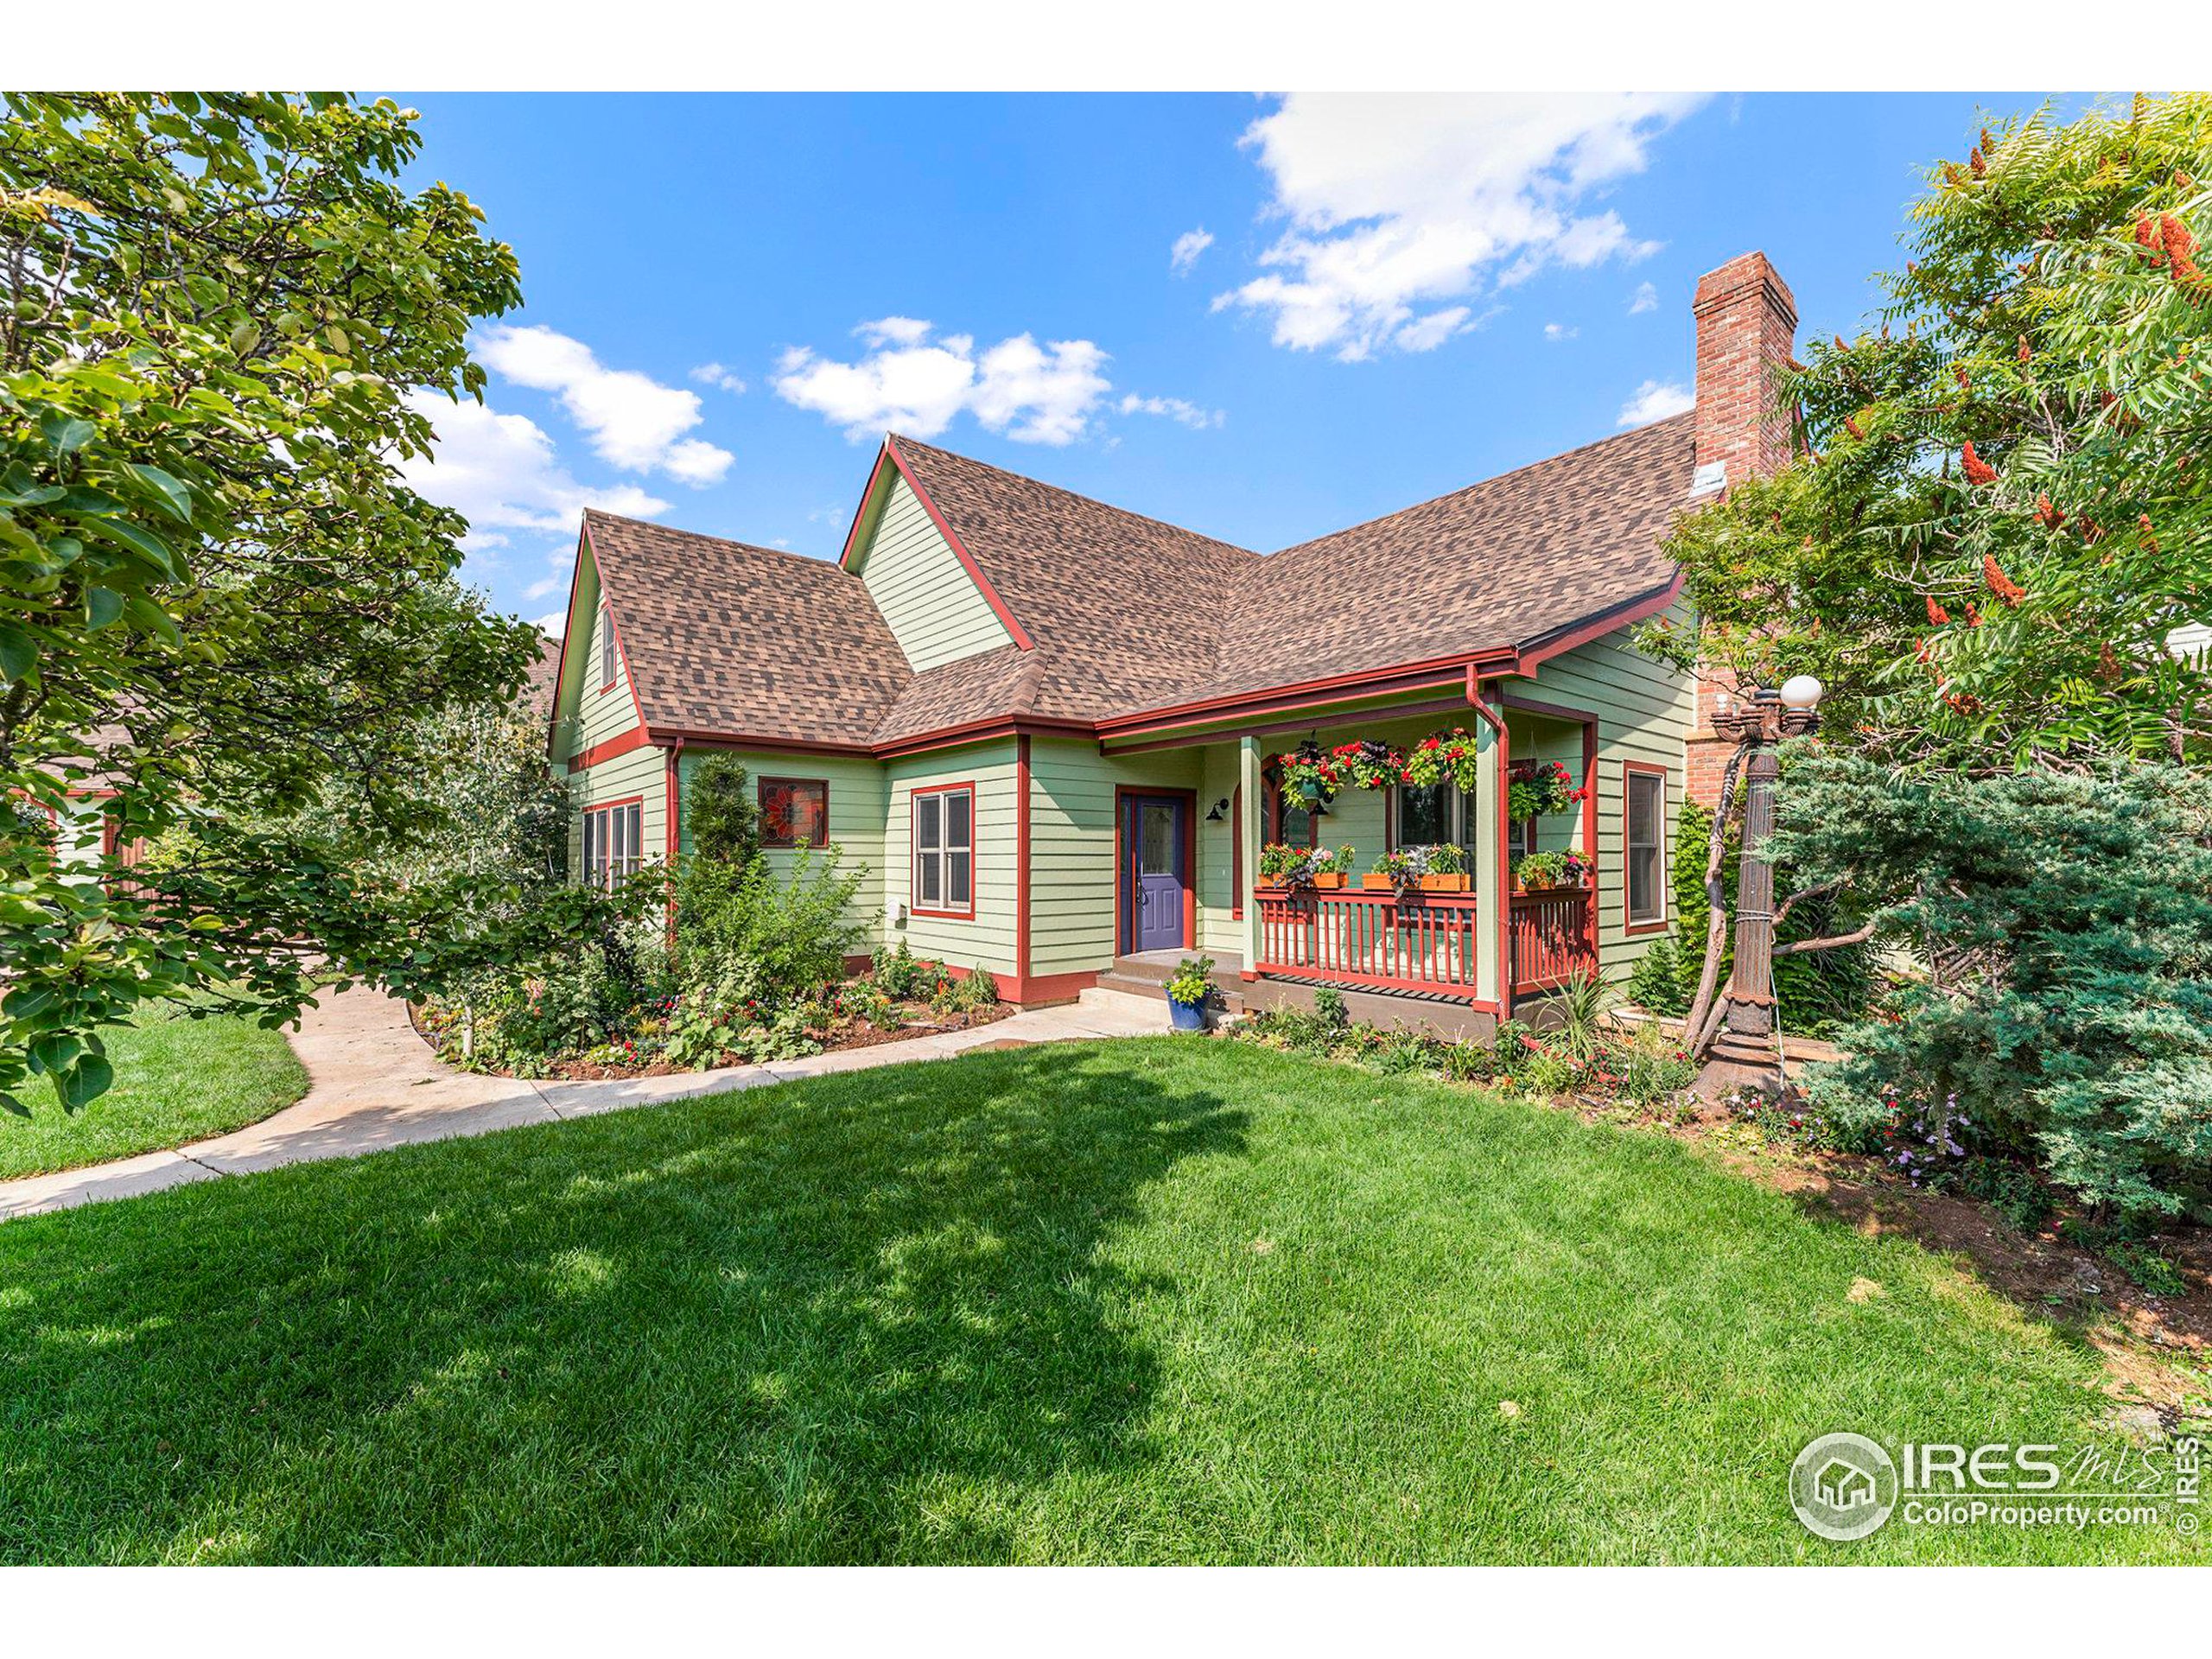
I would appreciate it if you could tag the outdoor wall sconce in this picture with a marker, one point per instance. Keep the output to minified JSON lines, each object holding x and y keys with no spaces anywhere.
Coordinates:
{"x":1220,"y":810}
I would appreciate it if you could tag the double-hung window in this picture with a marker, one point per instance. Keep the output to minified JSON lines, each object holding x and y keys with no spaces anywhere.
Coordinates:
{"x":945,"y":851}
{"x":614,"y":843}
{"x":1644,"y":855}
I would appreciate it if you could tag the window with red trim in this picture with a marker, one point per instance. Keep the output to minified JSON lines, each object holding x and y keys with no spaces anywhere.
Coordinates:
{"x":794,"y":812}
{"x":614,"y":843}
{"x":945,"y":851}
{"x":610,"y":659}
{"x":1645,"y":861}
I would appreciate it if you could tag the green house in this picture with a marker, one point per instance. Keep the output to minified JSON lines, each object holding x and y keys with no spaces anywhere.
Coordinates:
{"x":1051,"y":731}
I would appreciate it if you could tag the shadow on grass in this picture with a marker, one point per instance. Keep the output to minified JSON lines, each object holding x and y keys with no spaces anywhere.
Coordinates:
{"x":859,"y":1318}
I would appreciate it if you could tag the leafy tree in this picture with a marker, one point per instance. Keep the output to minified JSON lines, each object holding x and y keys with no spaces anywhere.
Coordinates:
{"x":223,"y":322}
{"x":2005,"y":502}
{"x":2067,"y":922}
{"x":723,"y":820}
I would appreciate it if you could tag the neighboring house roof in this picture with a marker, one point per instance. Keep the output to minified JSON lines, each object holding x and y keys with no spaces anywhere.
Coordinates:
{"x":1126,"y":613}
{"x":723,"y":637}
{"x":543,"y":684}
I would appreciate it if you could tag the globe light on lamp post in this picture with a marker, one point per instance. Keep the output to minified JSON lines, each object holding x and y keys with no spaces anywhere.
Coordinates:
{"x":1746,"y":1053}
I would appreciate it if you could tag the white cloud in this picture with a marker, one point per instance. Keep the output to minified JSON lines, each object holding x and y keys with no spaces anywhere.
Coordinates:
{"x":893,"y":331}
{"x":552,"y":624}
{"x":1188,"y":246}
{"x":501,"y":473}
{"x":1654,"y":400}
{"x":722,"y":380}
{"x":632,"y":420}
{"x":1646,"y":298}
{"x":1180,"y":409}
{"x":1559,"y":331}
{"x":1396,"y":203}
{"x":1032,"y":393}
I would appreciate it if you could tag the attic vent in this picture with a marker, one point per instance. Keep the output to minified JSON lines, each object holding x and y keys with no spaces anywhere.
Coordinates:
{"x":1708,"y":478}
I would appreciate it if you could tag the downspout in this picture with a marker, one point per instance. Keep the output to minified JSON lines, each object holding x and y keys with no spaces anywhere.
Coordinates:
{"x":1504,"y":874}
{"x":1021,"y":866}
{"x":673,"y":814}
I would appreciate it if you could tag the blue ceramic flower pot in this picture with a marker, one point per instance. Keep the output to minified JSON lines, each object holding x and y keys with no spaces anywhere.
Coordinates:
{"x":1188,"y":1016}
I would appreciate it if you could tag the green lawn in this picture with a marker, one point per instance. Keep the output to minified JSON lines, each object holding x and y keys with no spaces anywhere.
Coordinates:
{"x":176,"y":1080}
{"x":1148,"y":1301}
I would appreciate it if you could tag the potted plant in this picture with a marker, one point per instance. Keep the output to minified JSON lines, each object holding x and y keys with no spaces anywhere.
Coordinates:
{"x":1400,"y":870}
{"x":1330,"y":869}
{"x":1277,"y":862}
{"x":1552,"y":871}
{"x":1189,"y":991}
{"x":1445,"y":869}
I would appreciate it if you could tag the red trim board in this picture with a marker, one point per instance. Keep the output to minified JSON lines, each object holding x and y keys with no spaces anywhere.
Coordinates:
{"x":1021,"y":858}
{"x":1635,"y":929}
{"x":585,"y":759}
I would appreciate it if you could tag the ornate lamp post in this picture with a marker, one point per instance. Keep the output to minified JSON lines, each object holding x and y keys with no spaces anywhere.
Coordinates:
{"x":1746,"y":1053}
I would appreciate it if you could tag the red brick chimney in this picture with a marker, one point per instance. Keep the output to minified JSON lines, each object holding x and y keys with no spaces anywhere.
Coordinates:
{"x":1746,"y":327}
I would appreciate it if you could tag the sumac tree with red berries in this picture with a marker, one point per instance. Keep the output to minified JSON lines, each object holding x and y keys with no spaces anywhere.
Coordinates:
{"x":2002,"y":509}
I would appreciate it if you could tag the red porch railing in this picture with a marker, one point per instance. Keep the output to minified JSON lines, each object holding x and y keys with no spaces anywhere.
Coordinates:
{"x":1423,"y":942}
{"x":1554,"y":937}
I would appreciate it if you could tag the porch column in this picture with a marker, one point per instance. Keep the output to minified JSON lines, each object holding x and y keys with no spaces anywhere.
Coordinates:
{"x":1249,"y":761}
{"x":1492,"y":906}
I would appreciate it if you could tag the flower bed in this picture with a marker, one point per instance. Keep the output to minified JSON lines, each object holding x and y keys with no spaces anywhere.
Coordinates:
{"x":731,"y":1022}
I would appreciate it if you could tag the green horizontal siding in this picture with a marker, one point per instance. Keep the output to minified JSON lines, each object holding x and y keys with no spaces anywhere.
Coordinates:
{"x":588,"y":715}
{"x":1072,"y":920}
{"x":857,"y":793}
{"x":1645,"y":709}
{"x":642,"y":773}
{"x":932,"y":605}
{"x":987,"y":940}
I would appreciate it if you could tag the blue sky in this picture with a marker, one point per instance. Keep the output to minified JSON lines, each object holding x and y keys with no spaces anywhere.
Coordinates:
{"x":729,"y":297}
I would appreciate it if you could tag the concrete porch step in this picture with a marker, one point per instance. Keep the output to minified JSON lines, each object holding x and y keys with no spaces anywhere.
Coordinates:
{"x":1131,"y":977}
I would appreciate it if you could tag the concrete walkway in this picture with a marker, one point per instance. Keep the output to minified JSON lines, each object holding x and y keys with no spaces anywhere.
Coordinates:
{"x":373,"y":1084}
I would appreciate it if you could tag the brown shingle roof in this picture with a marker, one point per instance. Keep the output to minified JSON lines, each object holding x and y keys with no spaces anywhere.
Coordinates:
{"x":1128,"y":613}
{"x":1118,"y":604}
{"x":721,"y":637}
{"x":1502,"y":564}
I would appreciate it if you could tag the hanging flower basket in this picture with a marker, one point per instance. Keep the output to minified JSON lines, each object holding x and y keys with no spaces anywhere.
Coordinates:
{"x":1537,"y":789}
{"x":1310,"y":774}
{"x":1368,"y":763}
{"x":1446,"y":757}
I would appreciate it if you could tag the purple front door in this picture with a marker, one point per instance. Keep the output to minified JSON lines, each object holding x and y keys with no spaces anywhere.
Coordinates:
{"x":1156,"y":874}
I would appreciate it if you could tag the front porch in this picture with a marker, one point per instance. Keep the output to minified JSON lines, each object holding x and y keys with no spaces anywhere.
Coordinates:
{"x":1453,"y":952}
